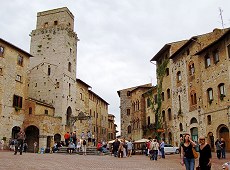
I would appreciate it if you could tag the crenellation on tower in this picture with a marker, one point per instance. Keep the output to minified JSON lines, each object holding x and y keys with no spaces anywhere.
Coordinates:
{"x":55,"y":17}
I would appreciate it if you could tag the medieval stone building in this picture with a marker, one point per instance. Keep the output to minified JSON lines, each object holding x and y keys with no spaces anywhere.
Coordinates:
{"x":193,"y":88}
{"x":132,"y":109}
{"x":40,"y":92}
{"x":188,"y":87}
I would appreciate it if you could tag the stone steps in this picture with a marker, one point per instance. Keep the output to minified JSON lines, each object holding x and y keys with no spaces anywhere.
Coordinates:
{"x":90,"y":150}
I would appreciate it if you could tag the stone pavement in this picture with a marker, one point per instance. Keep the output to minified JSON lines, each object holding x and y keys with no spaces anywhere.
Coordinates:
{"x":32,"y":161}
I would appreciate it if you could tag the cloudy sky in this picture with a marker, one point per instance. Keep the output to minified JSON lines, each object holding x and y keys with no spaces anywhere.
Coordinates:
{"x":117,"y":37}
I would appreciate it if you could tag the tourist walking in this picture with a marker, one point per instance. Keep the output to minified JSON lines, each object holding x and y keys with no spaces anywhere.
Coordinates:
{"x":35,"y":146}
{"x":205,"y":158}
{"x":187,"y":157}
{"x":84,"y":146}
{"x":74,"y":136}
{"x":2,"y":144}
{"x":148,"y":147}
{"x":21,"y":136}
{"x":25,"y":146}
{"x":120,"y":150}
{"x":129,"y":148}
{"x":124,"y":148}
{"x":223,"y":146}
{"x":89,"y":135}
{"x":162,"y":148}
{"x":116,"y":145}
{"x":154,"y":146}
{"x":82,"y":135}
{"x":218,"y":148}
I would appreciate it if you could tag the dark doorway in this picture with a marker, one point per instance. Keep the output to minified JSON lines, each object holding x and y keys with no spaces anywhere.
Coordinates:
{"x":57,"y":138}
{"x":32,"y":135}
{"x":15,"y":130}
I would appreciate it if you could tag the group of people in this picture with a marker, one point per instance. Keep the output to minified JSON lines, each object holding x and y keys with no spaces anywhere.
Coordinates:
{"x":122,"y":149}
{"x":155,"y":149}
{"x":188,"y":156}
{"x":220,"y":148}
{"x":73,"y":143}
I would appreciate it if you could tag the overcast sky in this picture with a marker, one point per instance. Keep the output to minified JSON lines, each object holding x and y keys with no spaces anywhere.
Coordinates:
{"x":117,"y":37}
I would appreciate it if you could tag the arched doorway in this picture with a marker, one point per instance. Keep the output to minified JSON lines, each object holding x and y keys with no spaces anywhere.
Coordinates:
{"x":194,"y":133}
{"x":57,"y":137}
{"x":68,"y":115}
{"x":14,"y":132}
{"x":223,"y":132}
{"x":32,"y":135}
{"x":211,"y":140}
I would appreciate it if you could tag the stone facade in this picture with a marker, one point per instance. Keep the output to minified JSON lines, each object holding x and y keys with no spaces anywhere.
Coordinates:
{"x":111,"y":127}
{"x":14,"y":63}
{"x":189,"y":83}
{"x":132,"y":107}
{"x":95,"y":107}
{"x":41,"y":94}
{"x":150,"y":98}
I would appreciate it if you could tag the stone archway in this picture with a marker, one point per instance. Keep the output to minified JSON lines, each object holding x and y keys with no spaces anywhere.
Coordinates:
{"x":223,"y":132}
{"x":57,"y":137}
{"x":14,"y":132}
{"x":32,"y":135}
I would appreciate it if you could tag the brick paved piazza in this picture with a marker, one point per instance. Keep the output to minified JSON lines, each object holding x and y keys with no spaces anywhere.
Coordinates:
{"x":31,"y":161}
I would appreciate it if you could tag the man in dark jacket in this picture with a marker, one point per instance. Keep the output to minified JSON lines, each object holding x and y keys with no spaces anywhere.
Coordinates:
{"x":116,"y":144}
{"x":21,"y":136}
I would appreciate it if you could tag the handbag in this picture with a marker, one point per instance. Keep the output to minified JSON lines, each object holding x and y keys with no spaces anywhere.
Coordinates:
{"x":198,"y":168}
{"x":195,"y":154}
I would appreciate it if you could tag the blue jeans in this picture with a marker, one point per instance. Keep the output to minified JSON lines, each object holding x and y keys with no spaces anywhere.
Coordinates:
{"x":155,"y":154}
{"x":189,"y":163}
{"x":162,"y":150}
{"x":223,"y":153}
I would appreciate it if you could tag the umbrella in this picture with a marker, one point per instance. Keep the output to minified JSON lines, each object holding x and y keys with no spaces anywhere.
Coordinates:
{"x":141,"y":141}
{"x":110,"y":142}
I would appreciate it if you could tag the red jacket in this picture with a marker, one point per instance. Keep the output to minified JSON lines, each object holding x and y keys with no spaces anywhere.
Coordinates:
{"x":67,"y":136}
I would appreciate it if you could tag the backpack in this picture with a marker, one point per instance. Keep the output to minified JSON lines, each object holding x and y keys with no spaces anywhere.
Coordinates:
{"x":84,"y":142}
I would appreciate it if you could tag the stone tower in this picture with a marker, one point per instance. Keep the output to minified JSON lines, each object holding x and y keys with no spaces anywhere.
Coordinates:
{"x":52,"y":75}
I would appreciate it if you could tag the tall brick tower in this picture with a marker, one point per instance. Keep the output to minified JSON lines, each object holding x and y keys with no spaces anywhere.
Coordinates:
{"x":52,"y":76}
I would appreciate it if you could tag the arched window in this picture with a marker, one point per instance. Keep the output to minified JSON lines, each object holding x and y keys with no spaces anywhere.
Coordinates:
{"x":49,"y":70}
{"x":30,"y":110}
{"x":191,"y":68}
{"x":179,"y":78}
{"x":148,"y":120}
{"x":209,"y":119}
{"x":168,"y":93}
{"x":69,"y":88}
{"x":163,"y":115}
{"x":221,"y":90}
{"x":181,"y":127}
{"x":193,"y":98}
{"x":162,"y":96}
{"x":167,"y":71}
{"x":210,"y":94}
{"x":193,"y":120}
{"x":129,"y":129}
{"x":207,"y":61}
{"x":69,"y":66}
{"x":169,"y":114}
{"x":215,"y":54}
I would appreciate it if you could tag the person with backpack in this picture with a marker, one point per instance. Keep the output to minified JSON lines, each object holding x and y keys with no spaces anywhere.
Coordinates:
{"x":84,"y":147}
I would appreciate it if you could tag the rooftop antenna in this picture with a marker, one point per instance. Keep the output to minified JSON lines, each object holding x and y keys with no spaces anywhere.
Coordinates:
{"x":221,"y":17}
